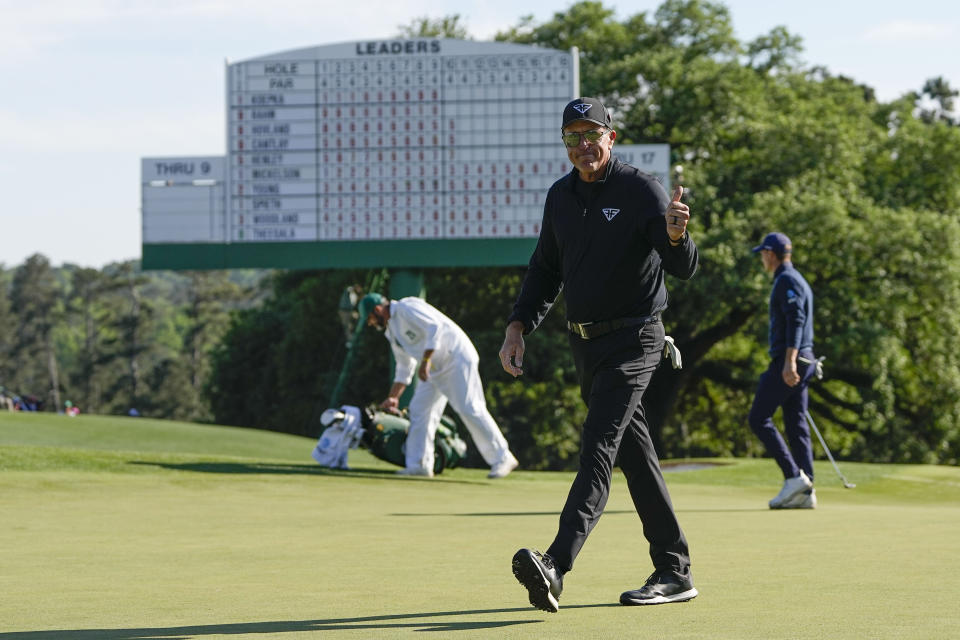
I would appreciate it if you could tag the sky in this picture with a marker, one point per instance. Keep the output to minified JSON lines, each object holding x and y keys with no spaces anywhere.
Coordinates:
{"x":89,"y":87}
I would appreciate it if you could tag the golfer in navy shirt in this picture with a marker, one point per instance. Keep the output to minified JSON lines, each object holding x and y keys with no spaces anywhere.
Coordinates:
{"x":784,"y":383}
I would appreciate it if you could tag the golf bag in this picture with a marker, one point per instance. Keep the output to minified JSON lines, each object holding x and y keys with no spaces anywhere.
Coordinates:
{"x":343,"y":431}
{"x":384,"y":435}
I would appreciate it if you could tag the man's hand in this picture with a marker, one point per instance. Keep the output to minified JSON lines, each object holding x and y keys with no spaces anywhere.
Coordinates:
{"x":677,"y":215}
{"x":423,"y":372}
{"x":790,"y":375}
{"x":392,"y":402}
{"x":511,"y":353}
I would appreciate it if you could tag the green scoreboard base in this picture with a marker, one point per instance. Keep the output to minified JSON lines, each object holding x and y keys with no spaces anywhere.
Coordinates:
{"x":479,"y":252}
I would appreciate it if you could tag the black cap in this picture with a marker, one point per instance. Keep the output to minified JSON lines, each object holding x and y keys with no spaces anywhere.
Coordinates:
{"x":589,"y":109}
{"x":775,"y":241}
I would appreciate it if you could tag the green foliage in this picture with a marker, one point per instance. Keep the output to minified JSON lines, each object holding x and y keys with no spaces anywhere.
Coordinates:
{"x":425,"y":27}
{"x":115,"y":338}
{"x":8,"y":330}
{"x":917,"y":164}
{"x":277,"y":364}
{"x":943,"y":97}
{"x":242,"y":388}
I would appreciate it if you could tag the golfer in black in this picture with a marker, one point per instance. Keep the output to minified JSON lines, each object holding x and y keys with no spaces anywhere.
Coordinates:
{"x":609,"y":234}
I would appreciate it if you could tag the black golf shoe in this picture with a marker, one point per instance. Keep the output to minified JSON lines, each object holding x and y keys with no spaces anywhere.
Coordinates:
{"x":544,"y":582}
{"x":661,"y":588}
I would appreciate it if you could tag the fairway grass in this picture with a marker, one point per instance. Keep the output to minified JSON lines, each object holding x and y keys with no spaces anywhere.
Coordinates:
{"x":132,"y":529}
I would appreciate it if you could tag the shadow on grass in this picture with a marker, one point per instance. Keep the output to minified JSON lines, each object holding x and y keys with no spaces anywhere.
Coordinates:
{"x":496,"y":514}
{"x":292,"y":469}
{"x":760,"y":509}
{"x":289,"y":626}
{"x":608,"y":512}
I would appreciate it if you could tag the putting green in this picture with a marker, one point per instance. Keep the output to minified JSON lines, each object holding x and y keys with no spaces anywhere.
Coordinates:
{"x":116,"y":528}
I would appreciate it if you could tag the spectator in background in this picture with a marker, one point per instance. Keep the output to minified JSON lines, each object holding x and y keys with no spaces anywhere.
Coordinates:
{"x":6,"y":402}
{"x":28,"y":403}
{"x":70,"y":409}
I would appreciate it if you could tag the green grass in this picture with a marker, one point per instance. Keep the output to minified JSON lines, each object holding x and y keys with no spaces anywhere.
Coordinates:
{"x":132,"y":529}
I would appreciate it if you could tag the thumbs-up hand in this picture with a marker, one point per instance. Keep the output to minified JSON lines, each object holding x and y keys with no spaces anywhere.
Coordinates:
{"x":677,"y":215}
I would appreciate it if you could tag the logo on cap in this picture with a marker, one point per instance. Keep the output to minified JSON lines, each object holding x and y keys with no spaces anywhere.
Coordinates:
{"x":610,"y":213}
{"x":583,"y":107}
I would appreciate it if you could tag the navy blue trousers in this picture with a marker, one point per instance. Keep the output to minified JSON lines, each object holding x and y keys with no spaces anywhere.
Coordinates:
{"x":614,"y":371}
{"x":773,"y":392}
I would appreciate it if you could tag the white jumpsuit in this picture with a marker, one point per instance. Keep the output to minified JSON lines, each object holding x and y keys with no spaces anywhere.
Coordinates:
{"x":414,"y":327}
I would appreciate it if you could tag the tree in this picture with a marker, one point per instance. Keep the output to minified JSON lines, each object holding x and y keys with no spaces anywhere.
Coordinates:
{"x":88,"y":302}
{"x":778,"y":50}
{"x":34,"y":297}
{"x":916,"y":164}
{"x":277,"y":364}
{"x":425,"y":27}
{"x":7,"y":331}
{"x":131,"y":329}
{"x":941,"y":94}
{"x":116,"y":337}
{"x":210,"y":296}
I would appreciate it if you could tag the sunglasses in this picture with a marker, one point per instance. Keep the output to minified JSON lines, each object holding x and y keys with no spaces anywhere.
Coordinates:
{"x":573,"y":139}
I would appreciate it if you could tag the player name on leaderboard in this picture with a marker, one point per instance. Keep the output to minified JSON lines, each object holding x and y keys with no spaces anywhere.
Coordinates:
{"x":400,"y":139}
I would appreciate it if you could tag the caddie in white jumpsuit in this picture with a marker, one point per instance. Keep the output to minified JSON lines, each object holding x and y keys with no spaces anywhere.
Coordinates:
{"x":447,"y":371}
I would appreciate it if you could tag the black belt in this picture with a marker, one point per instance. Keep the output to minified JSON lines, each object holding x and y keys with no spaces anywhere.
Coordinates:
{"x":590,"y":330}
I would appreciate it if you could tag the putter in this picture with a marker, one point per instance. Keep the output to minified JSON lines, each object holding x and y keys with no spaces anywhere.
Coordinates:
{"x":818,"y":364}
{"x":846,"y":484}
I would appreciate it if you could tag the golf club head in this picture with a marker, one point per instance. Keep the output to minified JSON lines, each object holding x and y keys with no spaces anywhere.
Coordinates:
{"x":330,"y":416}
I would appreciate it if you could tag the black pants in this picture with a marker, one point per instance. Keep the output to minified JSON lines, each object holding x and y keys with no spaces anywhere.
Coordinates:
{"x":614,"y":371}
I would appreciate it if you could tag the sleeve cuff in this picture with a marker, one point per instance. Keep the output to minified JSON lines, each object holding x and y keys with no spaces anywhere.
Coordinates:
{"x":681,"y":242}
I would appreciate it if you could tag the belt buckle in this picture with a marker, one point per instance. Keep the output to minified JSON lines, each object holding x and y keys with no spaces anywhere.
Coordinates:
{"x":581,"y":329}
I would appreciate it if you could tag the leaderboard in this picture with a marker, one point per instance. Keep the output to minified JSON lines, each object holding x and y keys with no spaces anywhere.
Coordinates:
{"x":422,"y":139}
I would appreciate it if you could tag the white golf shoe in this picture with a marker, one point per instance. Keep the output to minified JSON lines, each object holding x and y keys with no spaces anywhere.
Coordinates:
{"x":791,"y":487}
{"x":803,"y":500}
{"x":503,"y":468}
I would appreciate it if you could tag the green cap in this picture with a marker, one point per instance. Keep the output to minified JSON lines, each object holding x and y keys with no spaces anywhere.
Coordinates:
{"x":367,"y":303}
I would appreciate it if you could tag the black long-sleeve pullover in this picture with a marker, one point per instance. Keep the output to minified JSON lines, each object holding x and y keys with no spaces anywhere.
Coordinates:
{"x":608,"y":251}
